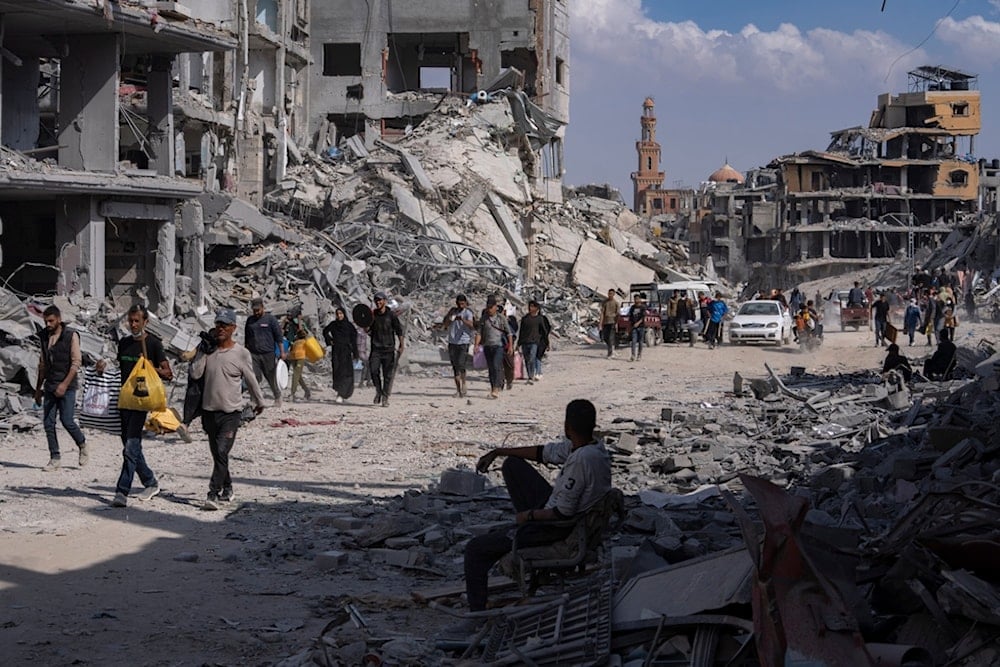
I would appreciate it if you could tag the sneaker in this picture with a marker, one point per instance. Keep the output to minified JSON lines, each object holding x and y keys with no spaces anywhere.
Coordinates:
{"x":84,"y":455}
{"x":378,"y":399}
{"x":457,"y":394}
{"x":340,"y":399}
{"x":531,"y":381}
{"x":52,"y":465}
{"x":183,"y":432}
{"x":538,"y":377}
{"x":149,"y":492}
{"x":631,"y":358}
{"x":211,"y":502}
{"x":226,"y":496}
{"x":121,"y":500}
{"x":385,"y":401}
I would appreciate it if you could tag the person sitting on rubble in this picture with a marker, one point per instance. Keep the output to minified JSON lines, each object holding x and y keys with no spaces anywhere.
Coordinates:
{"x":894,"y":361}
{"x":940,"y":365}
{"x":585,"y":477}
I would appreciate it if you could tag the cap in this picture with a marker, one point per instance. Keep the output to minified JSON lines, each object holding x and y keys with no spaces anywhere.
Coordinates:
{"x":257,"y":302}
{"x":225,"y":316}
{"x":491,"y":301}
{"x":380,"y":296}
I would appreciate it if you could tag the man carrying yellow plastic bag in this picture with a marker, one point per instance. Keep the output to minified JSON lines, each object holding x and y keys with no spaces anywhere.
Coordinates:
{"x":143,"y":364}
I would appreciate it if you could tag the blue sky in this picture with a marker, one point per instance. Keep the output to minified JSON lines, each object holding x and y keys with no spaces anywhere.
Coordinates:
{"x":751,"y":81}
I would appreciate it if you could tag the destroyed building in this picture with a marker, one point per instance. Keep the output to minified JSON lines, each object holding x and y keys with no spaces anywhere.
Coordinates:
{"x":381,"y":67}
{"x":905,"y":181}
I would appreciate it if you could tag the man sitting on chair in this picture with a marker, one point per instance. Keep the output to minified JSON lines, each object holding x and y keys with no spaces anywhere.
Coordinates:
{"x":939,"y":366}
{"x":585,"y":477}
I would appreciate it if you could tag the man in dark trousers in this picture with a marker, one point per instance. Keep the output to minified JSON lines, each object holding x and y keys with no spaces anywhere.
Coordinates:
{"x":224,"y":368}
{"x":263,"y":336}
{"x":130,"y":349}
{"x":881,"y":310}
{"x":384,"y":331}
{"x":58,"y":365}
{"x":585,"y":477}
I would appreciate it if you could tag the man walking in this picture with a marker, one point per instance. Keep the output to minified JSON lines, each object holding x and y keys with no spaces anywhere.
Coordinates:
{"x":717,"y":310}
{"x":530,"y":335}
{"x":881,"y":310}
{"x":911,"y":320}
{"x":263,"y":338}
{"x":637,"y":325}
{"x":130,"y":350}
{"x":494,"y":335}
{"x":223,"y":368}
{"x":384,"y":331}
{"x":609,"y":321}
{"x":461,"y":329}
{"x":58,"y":364}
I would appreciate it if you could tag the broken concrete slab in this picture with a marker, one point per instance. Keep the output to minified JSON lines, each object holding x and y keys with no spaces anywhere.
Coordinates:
{"x":601,"y":268}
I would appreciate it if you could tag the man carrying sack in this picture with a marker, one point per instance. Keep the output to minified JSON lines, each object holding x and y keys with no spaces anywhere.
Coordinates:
{"x":143,"y":364}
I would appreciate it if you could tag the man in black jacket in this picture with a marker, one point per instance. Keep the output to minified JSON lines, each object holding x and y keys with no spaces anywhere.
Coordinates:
{"x":58,"y":365}
{"x":384,"y":331}
{"x":263,"y":335}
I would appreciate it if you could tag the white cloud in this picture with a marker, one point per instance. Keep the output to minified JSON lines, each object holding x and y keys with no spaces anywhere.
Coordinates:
{"x":782,"y":59}
{"x":975,"y":38}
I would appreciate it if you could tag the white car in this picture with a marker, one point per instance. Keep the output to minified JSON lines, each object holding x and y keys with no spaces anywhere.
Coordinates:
{"x":762,"y":321}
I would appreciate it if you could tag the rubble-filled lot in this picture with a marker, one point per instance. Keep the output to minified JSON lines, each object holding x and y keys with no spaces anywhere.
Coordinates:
{"x":339,"y":521}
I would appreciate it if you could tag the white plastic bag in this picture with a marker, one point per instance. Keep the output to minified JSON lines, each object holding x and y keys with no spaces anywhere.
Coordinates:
{"x":281,"y":374}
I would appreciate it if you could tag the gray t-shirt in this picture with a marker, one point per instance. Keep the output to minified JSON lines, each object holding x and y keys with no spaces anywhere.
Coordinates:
{"x":460,"y":333}
{"x":223,"y":371}
{"x":493,"y":329}
{"x":584,"y":478}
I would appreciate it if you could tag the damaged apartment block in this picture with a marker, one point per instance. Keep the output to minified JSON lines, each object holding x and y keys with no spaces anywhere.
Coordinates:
{"x":116,"y":111}
{"x":382,"y":66}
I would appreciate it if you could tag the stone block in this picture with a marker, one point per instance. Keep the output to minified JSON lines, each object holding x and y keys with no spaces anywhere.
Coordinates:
{"x":437,"y":540}
{"x":461,"y":482}
{"x":833,"y":477}
{"x":448,"y":517}
{"x":401,"y":542}
{"x":628,"y":443}
{"x":330,"y":560}
{"x":396,"y":557}
{"x":340,"y":521}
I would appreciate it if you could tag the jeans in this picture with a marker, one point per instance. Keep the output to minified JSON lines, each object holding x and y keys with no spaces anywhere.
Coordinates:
{"x":265,"y":365}
{"x":713,"y":335}
{"x":879,"y":331}
{"x":494,"y":363}
{"x":638,"y":338}
{"x":220,"y":427}
{"x":381,"y":364}
{"x":528,"y":490}
{"x":65,"y":406}
{"x":531,"y":363}
{"x":133,"y":460}
{"x":609,"y":336}
{"x":911,"y":331}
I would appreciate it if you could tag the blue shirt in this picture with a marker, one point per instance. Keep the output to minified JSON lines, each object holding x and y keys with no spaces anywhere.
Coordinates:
{"x":717,"y":310}
{"x":460,"y":333}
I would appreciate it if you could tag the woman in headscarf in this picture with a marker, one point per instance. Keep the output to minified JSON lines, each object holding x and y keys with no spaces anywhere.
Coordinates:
{"x":342,"y":339}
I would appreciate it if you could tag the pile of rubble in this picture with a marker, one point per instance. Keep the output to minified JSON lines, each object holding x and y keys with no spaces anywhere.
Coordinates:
{"x":829,"y":519}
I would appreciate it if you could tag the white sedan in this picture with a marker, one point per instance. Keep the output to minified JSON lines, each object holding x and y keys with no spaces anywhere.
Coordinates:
{"x":762,"y":321}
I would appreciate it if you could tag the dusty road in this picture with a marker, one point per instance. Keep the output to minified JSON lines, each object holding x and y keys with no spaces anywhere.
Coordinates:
{"x":165,"y":583}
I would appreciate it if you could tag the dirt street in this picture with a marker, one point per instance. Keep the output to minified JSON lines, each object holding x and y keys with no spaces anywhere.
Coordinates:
{"x":166,"y":583}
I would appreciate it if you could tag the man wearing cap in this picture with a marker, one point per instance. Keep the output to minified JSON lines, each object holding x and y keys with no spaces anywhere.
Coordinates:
{"x":461,"y":329}
{"x":223,"y":369}
{"x":384,"y":331}
{"x":263,"y":339}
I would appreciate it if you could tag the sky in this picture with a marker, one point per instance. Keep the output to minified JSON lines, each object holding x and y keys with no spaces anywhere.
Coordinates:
{"x":749,"y":81}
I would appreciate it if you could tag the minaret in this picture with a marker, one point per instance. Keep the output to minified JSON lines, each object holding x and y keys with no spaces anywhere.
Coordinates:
{"x":649,"y":176}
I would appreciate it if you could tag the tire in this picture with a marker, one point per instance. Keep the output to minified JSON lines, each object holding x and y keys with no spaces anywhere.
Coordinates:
{"x":781,"y":338}
{"x":649,"y":337}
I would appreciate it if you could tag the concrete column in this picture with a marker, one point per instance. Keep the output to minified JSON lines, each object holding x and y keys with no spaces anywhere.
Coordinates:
{"x":868,"y":245}
{"x":826,"y":244}
{"x":193,"y":261}
{"x":160,"y":114}
{"x":80,"y":238}
{"x":165,"y":268}
{"x":88,"y":103}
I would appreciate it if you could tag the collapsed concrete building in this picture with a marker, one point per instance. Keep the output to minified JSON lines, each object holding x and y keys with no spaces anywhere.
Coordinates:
{"x":877,"y":193}
{"x":381,"y":67}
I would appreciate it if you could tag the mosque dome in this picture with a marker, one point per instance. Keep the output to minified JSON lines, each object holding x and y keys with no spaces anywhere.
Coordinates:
{"x":726,"y":174}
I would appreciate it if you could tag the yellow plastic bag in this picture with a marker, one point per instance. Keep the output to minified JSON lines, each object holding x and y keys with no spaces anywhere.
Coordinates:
{"x":314,"y":351}
{"x":143,"y":390}
{"x":163,"y":421}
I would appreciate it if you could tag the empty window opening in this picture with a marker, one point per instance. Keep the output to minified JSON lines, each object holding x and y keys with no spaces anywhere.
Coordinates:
{"x":960,"y":109}
{"x":649,"y":164}
{"x":657,"y":203}
{"x":524,"y":61}
{"x":958,"y":177}
{"x":435,"y":78}
{"x":356,"y":92}
{"x":342,"y":59}
{"x":560,"y":71}
{"x":673,"y":202}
